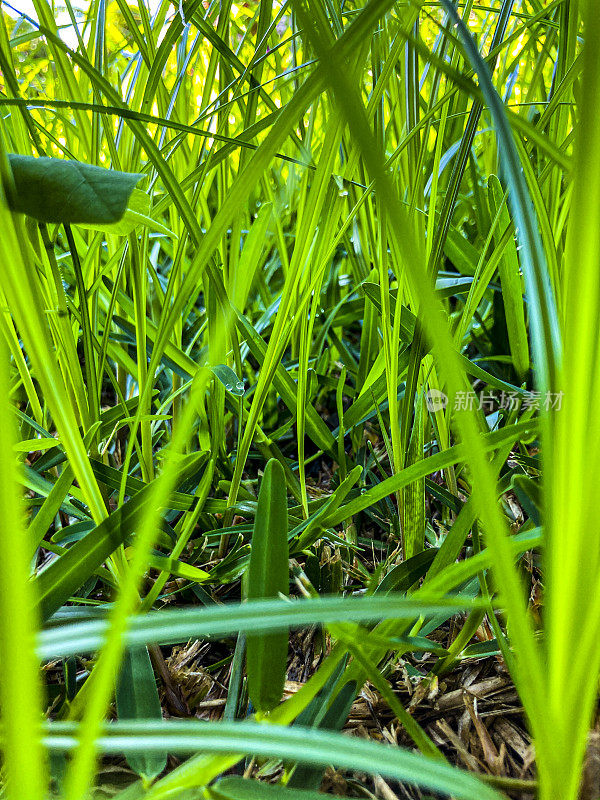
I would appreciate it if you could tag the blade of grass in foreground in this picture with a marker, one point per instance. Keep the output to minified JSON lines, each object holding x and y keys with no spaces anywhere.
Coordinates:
{"x":173,"y":626}
{"x":20,"y":690}
{"x":310,"y":746}
{"x":572,"y":466}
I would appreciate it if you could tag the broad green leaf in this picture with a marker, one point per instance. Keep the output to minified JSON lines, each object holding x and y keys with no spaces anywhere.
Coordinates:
{"x":57,"y":190}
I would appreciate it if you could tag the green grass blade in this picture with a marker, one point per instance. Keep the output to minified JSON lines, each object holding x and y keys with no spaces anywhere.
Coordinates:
{"x":268,"y":576}
{"x":20,"y":687}
{"x":170,"y":627}
{"x":309,"y":746}
{"x":137,"y":698}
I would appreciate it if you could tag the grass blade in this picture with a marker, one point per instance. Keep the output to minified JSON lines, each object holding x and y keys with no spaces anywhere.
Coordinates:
{"x":268,"y":576}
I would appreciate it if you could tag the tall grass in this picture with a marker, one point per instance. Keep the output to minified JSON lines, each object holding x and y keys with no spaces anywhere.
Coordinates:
{"x":345,"y":209}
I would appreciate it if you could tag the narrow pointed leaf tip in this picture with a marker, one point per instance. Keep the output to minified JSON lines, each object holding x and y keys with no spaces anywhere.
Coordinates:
{"x":59,"y":191}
